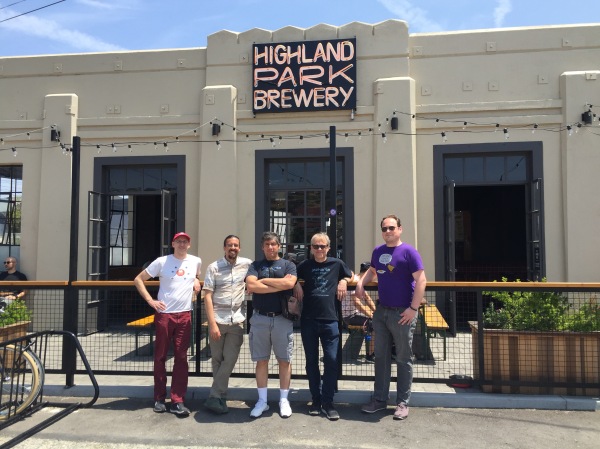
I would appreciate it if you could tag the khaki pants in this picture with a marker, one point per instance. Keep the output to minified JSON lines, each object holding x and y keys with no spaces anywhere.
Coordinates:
{"x":225,"y":352}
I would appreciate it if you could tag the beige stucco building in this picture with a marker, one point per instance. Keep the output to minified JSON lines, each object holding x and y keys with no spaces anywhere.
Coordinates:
{"x":512,"y":191}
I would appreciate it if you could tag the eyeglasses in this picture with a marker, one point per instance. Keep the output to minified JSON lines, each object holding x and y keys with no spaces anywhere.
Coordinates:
{"x":319,"y":246}
{"x":7,"y":262}
{"x":388,"y":228}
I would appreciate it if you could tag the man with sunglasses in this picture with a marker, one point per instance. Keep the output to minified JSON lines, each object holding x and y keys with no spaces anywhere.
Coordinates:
{"x":401,"y":286}
{"x":11,"y":274}
{"x":325,"y":280}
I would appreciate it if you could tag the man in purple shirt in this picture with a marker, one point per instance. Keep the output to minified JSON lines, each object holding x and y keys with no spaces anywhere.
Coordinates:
{"x":401,"y":286}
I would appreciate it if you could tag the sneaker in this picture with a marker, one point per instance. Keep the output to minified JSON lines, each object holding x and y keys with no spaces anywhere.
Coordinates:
{"x":223,"y":402}
{"x":330,"y":411}
{"x":401,"y":411}
{"x":374,"y":406}
{"x":285,"y":410}
{"x":258,"y":409}
{"x":160,"y":407}
{"x":315,"y":408}
{"x":370,"y":358}
{"x":214,"y":405}
{"x":179,"y":409}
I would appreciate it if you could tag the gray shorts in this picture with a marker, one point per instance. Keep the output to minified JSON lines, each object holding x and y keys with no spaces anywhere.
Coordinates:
{"x":267,"y":333}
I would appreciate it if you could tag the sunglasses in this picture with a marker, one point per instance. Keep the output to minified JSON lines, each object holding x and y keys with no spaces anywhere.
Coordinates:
{"x":7,"y":262}
{"x":388,"y":228}
{"x":319,"y":246}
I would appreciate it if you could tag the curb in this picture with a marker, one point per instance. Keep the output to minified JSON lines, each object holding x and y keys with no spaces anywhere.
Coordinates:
{"x":462,"y":399}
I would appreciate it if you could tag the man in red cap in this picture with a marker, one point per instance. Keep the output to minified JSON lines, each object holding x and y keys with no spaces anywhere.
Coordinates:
{"x":178,"y":274}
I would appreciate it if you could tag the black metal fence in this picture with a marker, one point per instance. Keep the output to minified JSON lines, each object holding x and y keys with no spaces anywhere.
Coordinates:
{"x":108,"y":318}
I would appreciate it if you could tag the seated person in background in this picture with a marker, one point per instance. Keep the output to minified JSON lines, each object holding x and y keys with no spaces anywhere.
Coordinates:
{"x":359,"y":312}
{"x":9,"y":294}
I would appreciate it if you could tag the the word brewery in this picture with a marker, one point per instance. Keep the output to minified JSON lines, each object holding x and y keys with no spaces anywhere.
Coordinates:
{"x":300,"y":76}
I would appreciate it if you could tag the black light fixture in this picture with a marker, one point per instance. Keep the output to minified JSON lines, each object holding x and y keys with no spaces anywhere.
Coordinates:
{"x":55,"y":135}
{"x":216,"y":129}
{"x":587,"y":117}
{"x":394,"y":123}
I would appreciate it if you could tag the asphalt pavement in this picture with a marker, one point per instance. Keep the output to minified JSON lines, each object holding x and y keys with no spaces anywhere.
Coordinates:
{"x":440,"y":417}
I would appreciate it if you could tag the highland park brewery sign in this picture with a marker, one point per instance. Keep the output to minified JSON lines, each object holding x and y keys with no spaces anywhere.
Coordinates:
{"x":304,"y":76}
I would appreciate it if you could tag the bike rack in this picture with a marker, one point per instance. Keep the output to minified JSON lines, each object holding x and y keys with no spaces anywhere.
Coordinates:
{"x":38,"y":344}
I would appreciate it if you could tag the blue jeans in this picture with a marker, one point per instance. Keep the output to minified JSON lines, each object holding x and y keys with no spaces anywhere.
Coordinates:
{"x":328,"y":332}
{"x":388,"y":331}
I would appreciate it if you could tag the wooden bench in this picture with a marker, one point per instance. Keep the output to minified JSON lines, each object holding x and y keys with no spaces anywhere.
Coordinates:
{"x":434,"y":324}
{"x":143,"y":326}
{"x":146,"y":325}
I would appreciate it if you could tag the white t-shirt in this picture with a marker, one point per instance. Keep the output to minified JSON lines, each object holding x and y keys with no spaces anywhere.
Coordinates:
{"x":176,"y":281}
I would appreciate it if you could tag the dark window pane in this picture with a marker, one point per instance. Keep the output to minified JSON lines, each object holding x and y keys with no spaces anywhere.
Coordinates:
{"x":169,"y":178}
{"x":473,"y":169}
{"x":315,"y":174}
{"x":296,"y":233}
{"x":276,"y":175}
{"x":313,"y":225}
{"x":295,"y":174}
{"x":494,"y":169}
{"x":516,"y":168}
{"x":453,"y":169}
{"x":152,"y":179}
{"x":116,"y":180}
{"x":135,"y":179}
{"x":296,"y":203}
{"x":277,"y":201}
{"x":314,"y":203}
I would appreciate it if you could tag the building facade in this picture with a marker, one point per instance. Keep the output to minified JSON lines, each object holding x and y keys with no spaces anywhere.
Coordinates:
{"x":485,"y":143}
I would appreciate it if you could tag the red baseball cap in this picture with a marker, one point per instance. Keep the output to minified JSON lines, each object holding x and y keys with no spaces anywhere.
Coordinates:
{"x":181,"y":234}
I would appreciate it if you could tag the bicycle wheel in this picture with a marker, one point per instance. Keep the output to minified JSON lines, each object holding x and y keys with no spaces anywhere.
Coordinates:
{"x":22,"y":380}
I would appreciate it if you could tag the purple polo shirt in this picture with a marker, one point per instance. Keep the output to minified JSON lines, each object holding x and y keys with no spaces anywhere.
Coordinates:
{"x":395,"y":267}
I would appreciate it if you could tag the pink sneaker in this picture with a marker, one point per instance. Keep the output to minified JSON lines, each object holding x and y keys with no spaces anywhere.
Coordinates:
{"x":401,"y":411}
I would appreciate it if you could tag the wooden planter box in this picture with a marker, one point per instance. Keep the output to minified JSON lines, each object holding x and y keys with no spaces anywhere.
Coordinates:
{"x":14,"y":330}
{"x":539,"y":357}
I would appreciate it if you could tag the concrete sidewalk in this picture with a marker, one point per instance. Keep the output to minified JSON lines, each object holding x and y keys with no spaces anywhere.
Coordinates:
{"x":350,"y":392}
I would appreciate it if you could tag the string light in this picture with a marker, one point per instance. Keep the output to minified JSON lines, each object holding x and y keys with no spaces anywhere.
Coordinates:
{"x":14,"y":151}
{"x":272,"y":142}
{"x":346,"y":136}
{"x":114,"y":148}
{"x":506,"y":136}
{"x":130,"y":149}
{"x":360,"y":135}
{"x":155,"y":146}
{"x":301,"y":139}
{"x":28,"y":136}
{"x":218,"y":145}
{"x":444,"y":138}
{"x":166,"y":147}
{"x":570,"y":130}
{"x":99,"y":149}
{"x":384,"y":137}
{"x":535,"y":126}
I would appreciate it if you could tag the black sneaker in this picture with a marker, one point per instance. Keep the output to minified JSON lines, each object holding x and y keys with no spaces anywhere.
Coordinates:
{"x":330,"y":412}
{"x":370,"y":358}
{"x":160,"y":407}
{"x":315,"y":408}
{"x":179,"y":409}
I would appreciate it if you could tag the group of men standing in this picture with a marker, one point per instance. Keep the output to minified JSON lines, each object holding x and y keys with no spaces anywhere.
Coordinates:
{"x":401,"y":284}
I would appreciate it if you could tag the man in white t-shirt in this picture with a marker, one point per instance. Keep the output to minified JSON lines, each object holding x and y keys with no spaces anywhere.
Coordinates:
{"x":179,"y":282}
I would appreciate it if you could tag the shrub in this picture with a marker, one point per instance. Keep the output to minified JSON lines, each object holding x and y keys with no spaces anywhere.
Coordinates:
{"x":14,"y":312}
{"x":533,"y":311}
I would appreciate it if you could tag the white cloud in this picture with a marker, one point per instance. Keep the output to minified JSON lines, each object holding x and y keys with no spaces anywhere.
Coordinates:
{"x":51,"y":30}
{"x":502,"y":9}
{"x":416,"y":17}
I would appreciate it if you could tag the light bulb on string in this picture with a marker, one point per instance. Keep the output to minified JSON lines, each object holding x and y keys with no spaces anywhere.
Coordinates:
{"x":155,"y":146}
{"x":464,"y":125}
{"x":64,"y":149}
{"x":497,"y":126}
{"x":195,"y":133}
{"x":14,"y":151}
{"x":535,"y":126}
{"x":577,"y":129}
{"x":247,"y":137}
{"x":506,"y":135}
{"x":130,"y":149}
{"x":570,"y":130}
{"x":99,"y":149}
{"x":166,"y":146}
{"x":346,"y":136}
{"x":272,"y":142}
{"x":300,"y":140}
{"x":218,"y":145}
{"x":437,"y":120}
{"x":177,"y":139}
{"x":1,"y":141}
{"x":444,"y":138}
{"x":384,"y":137}
{"x":28,"y":136}
{"x":279,"y":141}
{"x":360,"y":135}
{"x":326,"y":138}
{"x":114,"y":148}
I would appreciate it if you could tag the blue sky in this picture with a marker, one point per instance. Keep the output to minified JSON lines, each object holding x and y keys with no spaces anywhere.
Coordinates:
{"x":83,"y":26}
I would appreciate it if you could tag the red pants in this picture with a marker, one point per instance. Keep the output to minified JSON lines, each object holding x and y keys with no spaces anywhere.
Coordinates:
{"x":175,"y":328}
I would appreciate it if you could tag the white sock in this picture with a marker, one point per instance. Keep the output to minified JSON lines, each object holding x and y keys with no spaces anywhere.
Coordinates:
{"x":283,"y":394}
{"x":262,"y":394}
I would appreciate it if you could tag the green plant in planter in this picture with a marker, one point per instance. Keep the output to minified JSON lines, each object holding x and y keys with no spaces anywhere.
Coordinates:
{"x":587,"y":318}
{"x":14,"y":312}
{"x":533,"y":311}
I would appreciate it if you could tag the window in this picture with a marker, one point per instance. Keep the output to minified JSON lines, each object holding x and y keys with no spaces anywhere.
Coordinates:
{"x":11,"y":193}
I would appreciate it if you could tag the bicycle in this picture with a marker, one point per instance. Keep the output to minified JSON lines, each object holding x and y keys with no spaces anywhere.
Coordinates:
{"x":21,"y":379}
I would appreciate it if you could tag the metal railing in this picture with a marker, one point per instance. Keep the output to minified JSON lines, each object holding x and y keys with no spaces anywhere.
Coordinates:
{"x":99,"y":311}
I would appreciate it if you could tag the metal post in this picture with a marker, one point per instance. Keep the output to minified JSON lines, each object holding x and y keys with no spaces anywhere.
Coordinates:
{"x":71,"y":304}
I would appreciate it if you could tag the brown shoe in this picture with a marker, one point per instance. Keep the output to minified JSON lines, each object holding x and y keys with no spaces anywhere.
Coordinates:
{"x":401,"y":411}
{"x":374,"y":406}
